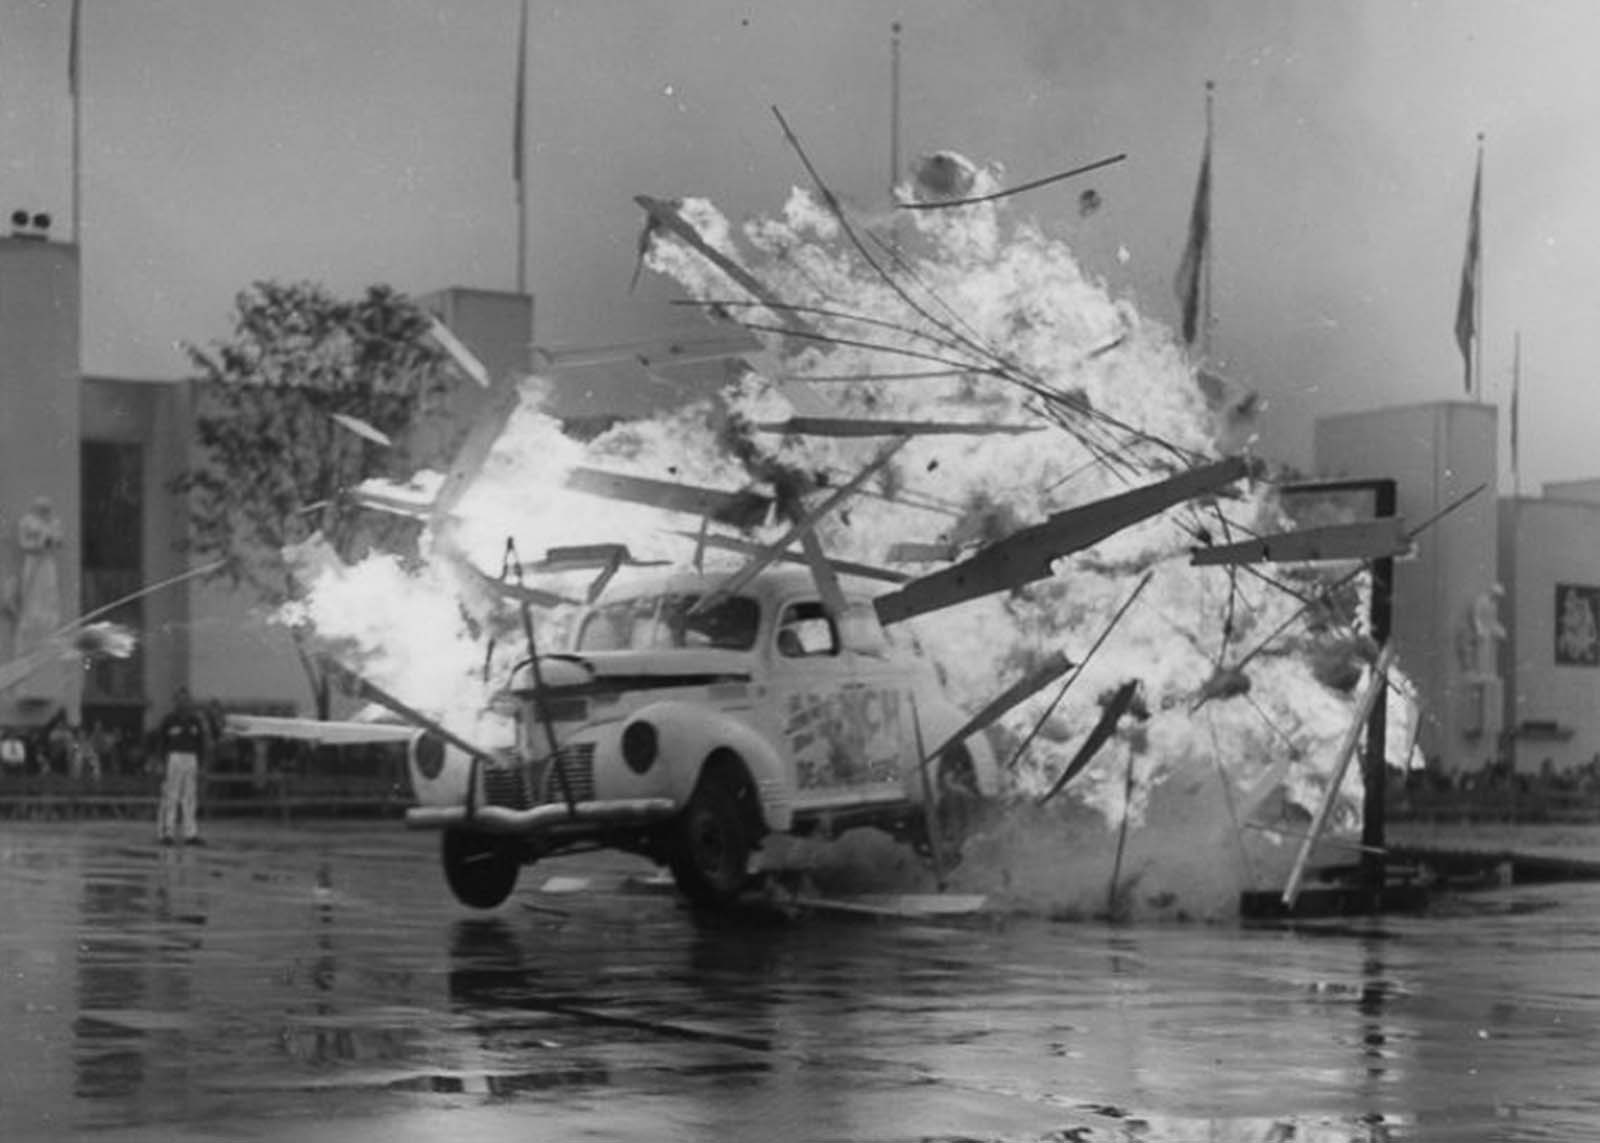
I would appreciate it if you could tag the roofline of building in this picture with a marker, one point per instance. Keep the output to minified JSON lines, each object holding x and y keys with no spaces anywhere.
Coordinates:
{"x":1552,"y":501}
{"x":1448,"y":404}
{"x":106,"y":378}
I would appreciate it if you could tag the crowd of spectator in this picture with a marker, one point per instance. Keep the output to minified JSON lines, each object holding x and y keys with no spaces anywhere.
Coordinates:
{"x":78,"y":753}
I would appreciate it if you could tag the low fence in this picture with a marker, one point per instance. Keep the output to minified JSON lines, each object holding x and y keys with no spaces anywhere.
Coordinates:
{"x":281,"y":795}
{"x":1516,"y":802}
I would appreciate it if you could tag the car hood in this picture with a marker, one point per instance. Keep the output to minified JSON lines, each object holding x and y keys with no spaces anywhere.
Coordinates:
{"x":636,"y":670}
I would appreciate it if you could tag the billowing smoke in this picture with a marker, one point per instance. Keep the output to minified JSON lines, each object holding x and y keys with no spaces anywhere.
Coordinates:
{"x":964,"y":314}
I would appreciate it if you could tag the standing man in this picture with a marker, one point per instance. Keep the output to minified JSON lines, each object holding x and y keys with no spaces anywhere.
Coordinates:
{"x":182,"y":739}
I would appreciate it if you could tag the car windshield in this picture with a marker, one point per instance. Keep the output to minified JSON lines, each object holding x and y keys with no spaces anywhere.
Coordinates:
{"x":661,"y":621}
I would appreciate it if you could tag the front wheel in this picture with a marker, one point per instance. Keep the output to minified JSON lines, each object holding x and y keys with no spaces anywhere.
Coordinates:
{"x":480,"y":870}
{"x":710,"y":851}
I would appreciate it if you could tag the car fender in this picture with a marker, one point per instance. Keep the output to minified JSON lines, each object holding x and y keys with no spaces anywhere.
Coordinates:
{"x":690,"y":733}
{"x":940,"y":720}
{"x":439,"y":772}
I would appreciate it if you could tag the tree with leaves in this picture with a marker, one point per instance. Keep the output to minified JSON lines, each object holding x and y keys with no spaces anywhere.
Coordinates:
{"x":290,"y":412}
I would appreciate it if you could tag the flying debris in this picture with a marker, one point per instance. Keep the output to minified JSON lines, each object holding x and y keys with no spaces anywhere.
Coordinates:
{"x":1088,"y":202}
{"x":1385,"y":537}
{"x":362,"y":429}
{"x":744,"y":510}
{"x":647,"y":236}
{"x":464,"y":359}
{"x":80,"y":640}
{"x":944,"y":176}
{"x":940,"y":174}
{"x":854,"y":427}
{"x":1028,"y":555}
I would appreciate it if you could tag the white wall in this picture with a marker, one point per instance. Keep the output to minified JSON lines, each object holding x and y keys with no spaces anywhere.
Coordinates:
{"x":1546,"y":543}
{"x":39,"y":403}
{"x":1436,"y":453}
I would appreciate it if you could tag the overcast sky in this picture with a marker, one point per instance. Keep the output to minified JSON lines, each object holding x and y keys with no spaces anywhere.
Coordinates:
{"x":369,"y":140}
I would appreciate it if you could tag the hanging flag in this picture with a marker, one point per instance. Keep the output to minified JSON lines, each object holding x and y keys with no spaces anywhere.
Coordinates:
{"x":517,"y":128}
{"x":1187,"y":283}
{"x":1466,"y":303}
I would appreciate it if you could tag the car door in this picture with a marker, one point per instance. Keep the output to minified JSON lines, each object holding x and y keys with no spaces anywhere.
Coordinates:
{"x":888,"y":698}
{"x":832,"y":723}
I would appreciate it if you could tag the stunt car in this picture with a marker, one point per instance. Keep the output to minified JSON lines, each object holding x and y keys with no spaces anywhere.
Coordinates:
{"x":689,"y":727}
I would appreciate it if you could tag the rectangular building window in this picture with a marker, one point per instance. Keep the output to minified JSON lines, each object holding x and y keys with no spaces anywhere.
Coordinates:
{"x":113,"y":567}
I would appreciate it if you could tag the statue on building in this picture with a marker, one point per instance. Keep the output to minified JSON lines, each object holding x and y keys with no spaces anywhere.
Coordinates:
{"x":1480,"y":633}
{"x":1577,"y":626}
{"x":1487,"y":629}
{"x":35,"y":601}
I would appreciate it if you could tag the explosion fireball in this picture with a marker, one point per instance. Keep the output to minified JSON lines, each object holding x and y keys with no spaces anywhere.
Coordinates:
{"x":965,"y":315}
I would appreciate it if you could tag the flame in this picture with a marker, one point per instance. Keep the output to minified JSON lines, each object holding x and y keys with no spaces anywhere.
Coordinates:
{"x":976,"y":294}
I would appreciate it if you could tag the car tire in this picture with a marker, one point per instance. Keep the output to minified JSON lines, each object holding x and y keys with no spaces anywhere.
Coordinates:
{"x":480,"y":870}
{"x":960,"y":800}
{"x":711,"y":843}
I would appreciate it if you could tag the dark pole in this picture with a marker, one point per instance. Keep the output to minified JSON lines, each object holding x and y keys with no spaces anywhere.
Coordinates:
{"x":1375,"y":765}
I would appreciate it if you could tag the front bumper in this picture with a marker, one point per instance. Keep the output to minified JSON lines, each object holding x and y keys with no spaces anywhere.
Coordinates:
{"x":552,"y":818}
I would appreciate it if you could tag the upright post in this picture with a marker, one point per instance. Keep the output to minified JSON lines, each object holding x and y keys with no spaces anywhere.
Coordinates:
{"x":1375,"y":763}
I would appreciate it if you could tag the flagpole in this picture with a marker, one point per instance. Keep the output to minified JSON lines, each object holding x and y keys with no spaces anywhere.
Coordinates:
{"x":77,"y":129}
{"x":519,"y":129}
{"x":1211,"y":252}
{"x":894,"y":108}
{"x":1516,"y":427}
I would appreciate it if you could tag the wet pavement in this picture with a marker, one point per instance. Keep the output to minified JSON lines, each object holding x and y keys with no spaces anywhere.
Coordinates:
{"x":317,"y":983}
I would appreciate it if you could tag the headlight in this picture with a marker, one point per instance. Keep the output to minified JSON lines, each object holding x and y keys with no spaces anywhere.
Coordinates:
{"x":639,"y":746}
{"x":427,"y":755}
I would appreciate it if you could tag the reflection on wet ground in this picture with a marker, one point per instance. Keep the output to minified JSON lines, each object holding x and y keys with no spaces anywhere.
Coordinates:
{"x":317,"y":983}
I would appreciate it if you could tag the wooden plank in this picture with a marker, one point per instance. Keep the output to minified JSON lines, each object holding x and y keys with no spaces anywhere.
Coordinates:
{"x":1362,"y":540}
{"x":746,"y":509}
{"x":917,"y":552}
{"x":487,"y":425}
{"x":1027,"y":555}
{"x":1047,"y":672}
{"x":855,"y":427}
{"x":824,"y":576}
{"x":1347,"y":749}
{"x":668,"y":216}
{"x":898,"y":906}
{"x":464,"y":358}
{"x":312,"y":730}
{"x":774,"y":551}
{"x":843,"y":567}
{"x":655,"y":352}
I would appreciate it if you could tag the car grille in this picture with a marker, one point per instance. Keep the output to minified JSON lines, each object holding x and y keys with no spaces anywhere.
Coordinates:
{"x":505,"y":786}
{"x":578,"y":763}
{"x":566,"y":709}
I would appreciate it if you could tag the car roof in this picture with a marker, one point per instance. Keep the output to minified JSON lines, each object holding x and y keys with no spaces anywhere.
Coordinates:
{"x":773,"y":583}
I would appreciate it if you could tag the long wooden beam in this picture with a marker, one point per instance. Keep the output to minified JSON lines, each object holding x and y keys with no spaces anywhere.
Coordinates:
{"x":843,"y":567}
{"x":1047,"y":672}
{"x":669,"y":217}
{"x":490,"y":421}
{"x":652,"y":353}
{"x":1362,"y":540}
{"x":739,"y":509}
{"x":1026,"y":556}
{"x":798,"y":530}
{"x":1347,"y":751}
{"x":857,"y":427}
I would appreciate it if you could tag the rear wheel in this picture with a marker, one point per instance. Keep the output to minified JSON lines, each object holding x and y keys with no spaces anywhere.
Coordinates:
{"x":710,"y":849}
{"x":959,"y":798}
{"x":480,"y":870}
